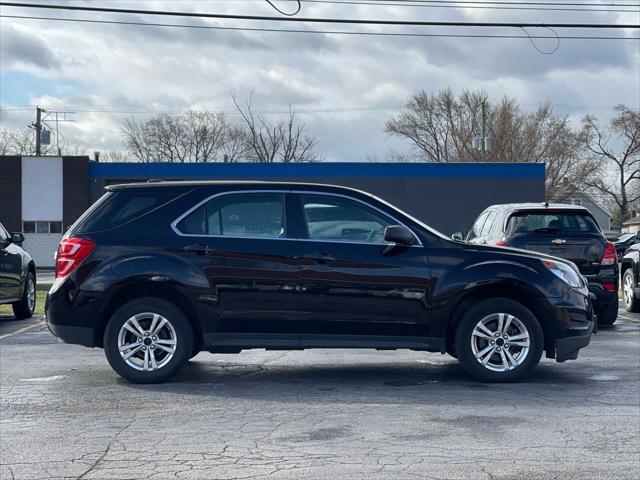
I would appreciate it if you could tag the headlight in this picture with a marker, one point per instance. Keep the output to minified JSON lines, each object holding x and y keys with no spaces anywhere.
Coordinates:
{"x":565,"y":273}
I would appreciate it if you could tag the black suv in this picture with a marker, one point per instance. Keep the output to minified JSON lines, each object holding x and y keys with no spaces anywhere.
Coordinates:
{"x":17,"y":275}
{"x":154,"y":273}
{"x":565,"y":231}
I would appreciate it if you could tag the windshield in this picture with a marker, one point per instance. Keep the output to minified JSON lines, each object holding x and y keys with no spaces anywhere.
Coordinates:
{"x":551,"y":222}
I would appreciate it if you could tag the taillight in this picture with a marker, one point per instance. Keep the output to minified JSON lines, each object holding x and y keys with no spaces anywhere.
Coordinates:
{"x":501,"y":243}
{"x":610,"y":256}
{"x":71,"y":253}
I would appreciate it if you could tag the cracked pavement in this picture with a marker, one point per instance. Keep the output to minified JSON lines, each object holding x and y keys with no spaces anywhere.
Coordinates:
{"x":347,"y":414}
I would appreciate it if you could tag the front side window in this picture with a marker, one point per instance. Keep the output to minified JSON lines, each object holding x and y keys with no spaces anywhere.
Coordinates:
{"x":251,"y":215}
{"x":342,"y":219}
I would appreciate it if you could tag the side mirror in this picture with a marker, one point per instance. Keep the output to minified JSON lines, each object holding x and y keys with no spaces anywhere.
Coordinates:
{"x":399,"y":234}
{"x":458,"y":236}
{"x":17,"y":237}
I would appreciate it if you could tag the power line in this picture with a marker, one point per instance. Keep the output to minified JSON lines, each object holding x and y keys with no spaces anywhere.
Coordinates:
{"x":361,"y":108}
{"x":482,"y":7}
{"x":486,"y":2}
{"x":329,"y":32}
{"x":352,"y":21}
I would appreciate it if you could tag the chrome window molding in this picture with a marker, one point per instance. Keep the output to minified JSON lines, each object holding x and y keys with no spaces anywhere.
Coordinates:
{"x":174,"y":224}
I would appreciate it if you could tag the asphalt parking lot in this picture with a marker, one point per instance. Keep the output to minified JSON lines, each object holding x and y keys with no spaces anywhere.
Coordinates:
{"x":317,"y":414}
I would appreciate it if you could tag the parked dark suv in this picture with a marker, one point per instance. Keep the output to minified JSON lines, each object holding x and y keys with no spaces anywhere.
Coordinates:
{"x":17,"y":275}
{"x":565,"y":231}
{"x":154,"y":273}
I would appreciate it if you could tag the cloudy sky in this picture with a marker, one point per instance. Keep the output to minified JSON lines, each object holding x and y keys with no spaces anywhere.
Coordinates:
{"x":107,"y":73}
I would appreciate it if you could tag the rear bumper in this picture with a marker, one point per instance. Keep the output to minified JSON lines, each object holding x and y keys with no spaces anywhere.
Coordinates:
{"x":76,"y":335}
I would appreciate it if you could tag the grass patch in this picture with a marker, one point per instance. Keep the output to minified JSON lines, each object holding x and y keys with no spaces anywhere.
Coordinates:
{"x":40,"y":298}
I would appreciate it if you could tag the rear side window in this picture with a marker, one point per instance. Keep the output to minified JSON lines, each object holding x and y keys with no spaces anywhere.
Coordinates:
{"x":550,"y":222}
{"x":120,"y":207}
{"x":477,"y":227}
{"x":250,"y":215}
{"x":488,"y":224}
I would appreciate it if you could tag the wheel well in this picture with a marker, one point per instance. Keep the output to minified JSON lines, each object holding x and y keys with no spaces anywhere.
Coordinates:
{"x":128,"y":292}
{"x":512,"y":293}
{"x":32,"y":268}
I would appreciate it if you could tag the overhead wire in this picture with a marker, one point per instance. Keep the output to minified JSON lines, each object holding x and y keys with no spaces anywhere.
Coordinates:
{"x":461,"y":5}
{"x":349,"y":21}
{"x":328,"y":32}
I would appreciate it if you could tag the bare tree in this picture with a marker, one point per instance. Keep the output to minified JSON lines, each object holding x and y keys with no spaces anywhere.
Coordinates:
{"x":234,"y":147}
{"x":205,"y":133}
{"x":617,"y":148}
{"x":20,"y":142}
{"x":441,"y":128}
{"x":268,"y":142}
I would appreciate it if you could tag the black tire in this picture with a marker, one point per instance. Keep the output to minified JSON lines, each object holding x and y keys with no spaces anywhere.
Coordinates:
{"x":25,"y":307}
{"x":631,"y":302}
{"x":183,"y":336}
{"x":608,"y":313}
{"x":486,"y":309}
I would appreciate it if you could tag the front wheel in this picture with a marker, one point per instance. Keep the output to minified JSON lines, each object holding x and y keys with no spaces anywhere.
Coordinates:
{"x":499,"y":340}
{"x":631,"y":303}
{"x":148,"y":340}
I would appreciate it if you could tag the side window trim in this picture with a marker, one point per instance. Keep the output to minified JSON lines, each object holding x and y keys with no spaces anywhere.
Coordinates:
{"x":287,"y":211}
{"x":174,"y":224}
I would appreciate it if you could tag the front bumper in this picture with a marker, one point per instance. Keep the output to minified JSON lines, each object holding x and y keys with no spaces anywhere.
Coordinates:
{"x":567,"y":348}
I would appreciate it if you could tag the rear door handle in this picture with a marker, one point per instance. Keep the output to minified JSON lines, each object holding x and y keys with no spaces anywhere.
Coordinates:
{"x":199,"y":249}
{"x":320,"y":257}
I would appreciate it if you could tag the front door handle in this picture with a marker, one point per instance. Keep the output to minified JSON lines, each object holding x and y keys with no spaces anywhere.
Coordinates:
{"x":199,"y":249}
{"x":320,"y":257}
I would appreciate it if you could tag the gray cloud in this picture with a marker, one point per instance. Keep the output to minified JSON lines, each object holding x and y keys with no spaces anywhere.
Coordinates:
{"x":19,"y":48}
{"x":175,"y":69}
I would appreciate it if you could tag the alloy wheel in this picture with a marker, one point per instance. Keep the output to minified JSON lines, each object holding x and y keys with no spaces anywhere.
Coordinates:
{"x":147,"y":341}
{"x":627,"y":290}
{"x":31,"y":294}
{"x":500,"y":342}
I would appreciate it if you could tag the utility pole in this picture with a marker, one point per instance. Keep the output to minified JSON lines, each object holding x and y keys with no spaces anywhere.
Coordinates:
{"x":38,"y":127}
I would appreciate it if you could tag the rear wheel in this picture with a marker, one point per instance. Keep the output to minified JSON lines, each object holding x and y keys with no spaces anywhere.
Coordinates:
{"x":27,"y":304}
{"x":148,"y":340}
{"x":607,"y":314}
{"x":499,"y":340}
{"x":631,"y":303}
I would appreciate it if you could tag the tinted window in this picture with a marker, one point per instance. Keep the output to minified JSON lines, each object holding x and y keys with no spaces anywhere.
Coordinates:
{"x":337,"y":218}
{"x":477,"y":227}
{"x":238,"y":215}
{"x":121,"y":207}
{"x":550,"y":222}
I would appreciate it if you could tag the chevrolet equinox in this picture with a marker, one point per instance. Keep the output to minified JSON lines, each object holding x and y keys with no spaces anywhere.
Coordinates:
{"x":155,"y":273}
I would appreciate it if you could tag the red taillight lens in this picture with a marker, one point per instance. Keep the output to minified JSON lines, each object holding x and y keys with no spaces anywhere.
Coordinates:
{"x":501,"y":243}
{"x":609,"y":287}
{"x":610,"y":256}
{"x":71,"y":252}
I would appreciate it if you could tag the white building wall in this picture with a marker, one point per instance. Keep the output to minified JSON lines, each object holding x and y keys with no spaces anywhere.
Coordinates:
{"x":42,"y":201}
